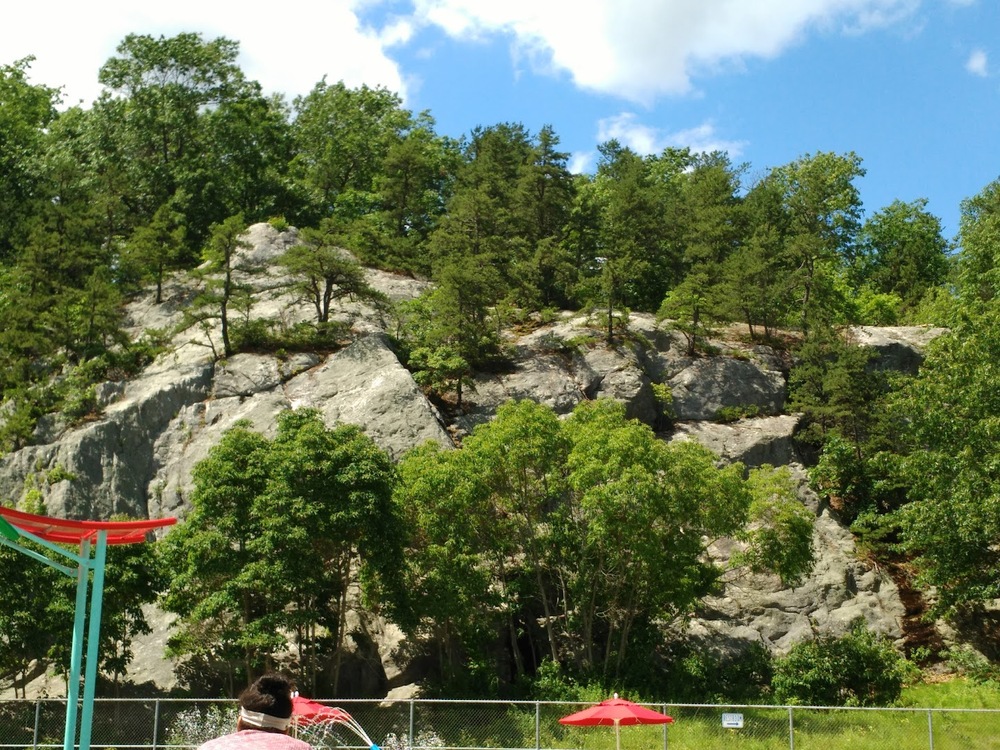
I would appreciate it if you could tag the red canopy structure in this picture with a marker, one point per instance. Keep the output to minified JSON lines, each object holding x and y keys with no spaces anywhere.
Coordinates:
{"x":91,"y":539}
{"x":305,"y":711}
{"x":64,"y":531}
{"x":615,"y":712}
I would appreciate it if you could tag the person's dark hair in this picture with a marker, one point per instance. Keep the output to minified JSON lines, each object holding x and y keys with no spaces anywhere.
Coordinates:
{"x":269,"y":694}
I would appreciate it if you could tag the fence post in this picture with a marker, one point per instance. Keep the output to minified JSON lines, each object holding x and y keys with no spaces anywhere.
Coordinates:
{"x":538,"y":725}
{"x":156,"y":722}
{"x":38,"y":718}
{"x":413,"y":739}
{"x":930,"y":729}
{"x":791,"y":729}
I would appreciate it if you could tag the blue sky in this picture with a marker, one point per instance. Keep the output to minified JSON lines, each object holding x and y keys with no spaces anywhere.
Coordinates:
{"x":911,"y":86}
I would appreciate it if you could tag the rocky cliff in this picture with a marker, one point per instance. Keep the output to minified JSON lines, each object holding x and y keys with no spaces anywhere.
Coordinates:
{"x":136,"y":456}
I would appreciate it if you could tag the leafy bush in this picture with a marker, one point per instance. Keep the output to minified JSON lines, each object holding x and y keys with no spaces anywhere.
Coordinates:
{"x":728,"y":414}
{"x":970,"y":663}
{"x":700,"y":675}
{"x":262,"y":335}
{"x":860,"y":669}
{"x":278,"y":222}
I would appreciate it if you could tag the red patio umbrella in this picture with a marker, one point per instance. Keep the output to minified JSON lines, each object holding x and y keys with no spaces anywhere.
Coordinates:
{"x":615,"y":712}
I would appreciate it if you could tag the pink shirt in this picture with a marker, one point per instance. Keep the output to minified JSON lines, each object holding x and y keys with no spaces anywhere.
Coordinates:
{"x":255,"y":739}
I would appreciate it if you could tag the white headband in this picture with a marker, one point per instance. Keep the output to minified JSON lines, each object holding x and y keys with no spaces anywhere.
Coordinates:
{"x":263,"y":721}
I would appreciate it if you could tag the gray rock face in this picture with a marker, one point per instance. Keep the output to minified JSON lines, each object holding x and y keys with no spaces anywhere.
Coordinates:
{"x":105,"y":467}
{"x":840,"y":589}
{"x":898,"y":348}
{"x":708,"y":385}
{"x":137,"y":457}
{"x":363,"y":384}
{"x":753,"y":442}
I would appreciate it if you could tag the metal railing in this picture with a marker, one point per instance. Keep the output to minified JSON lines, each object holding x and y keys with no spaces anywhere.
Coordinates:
{"x":181,"y":724}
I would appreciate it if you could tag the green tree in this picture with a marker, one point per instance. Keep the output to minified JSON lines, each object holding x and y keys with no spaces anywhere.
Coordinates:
{"x":342,"y":136}
{"x":26,"y":630}
{"x":758,"y":278}
{"x":544,"y":198}
{"x":331,"y":522}
{"x":572,"y":540}
{"x":857,"y":669}
{"x":160,"y":96}
{"x":483,"y":222}
{"x":449,"y":331}
{"x":457,"y":605}
{"x":412,"y":189}
{"x":219,"y":285}
{"x":157,"y":246}
{"x":25,"y":112}
{"x":227,"y":614}
{"x":824,"y":214}
{"x":632,"y":257}
{"x":279,"y":533}
{"x":902,"y":252}
{"x":520,"y":459}
{"x":642,"y":509}
{"x":322,"y":271}
{"x":979,"y":264}
{"x":946,"y":421}
{"x":245,"y":162}
{"x":778,"y":534}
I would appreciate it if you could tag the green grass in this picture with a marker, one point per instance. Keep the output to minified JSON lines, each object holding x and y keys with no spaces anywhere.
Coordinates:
{"x":767,"y":728}
{"x":955,"y":693}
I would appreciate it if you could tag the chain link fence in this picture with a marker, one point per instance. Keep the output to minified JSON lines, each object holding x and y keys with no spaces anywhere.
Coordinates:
{"x":175,"y":724}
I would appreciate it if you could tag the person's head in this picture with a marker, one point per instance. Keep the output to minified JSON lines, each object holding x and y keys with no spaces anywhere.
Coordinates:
{"x":266,"y":704}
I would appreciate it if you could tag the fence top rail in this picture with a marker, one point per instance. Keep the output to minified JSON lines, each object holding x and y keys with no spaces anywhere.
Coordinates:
{"x":388,"y":703}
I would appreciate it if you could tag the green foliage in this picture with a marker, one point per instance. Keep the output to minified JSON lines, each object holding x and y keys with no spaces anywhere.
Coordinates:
{"x":279,"y":530}
{"x":450,"y":330}
{"x":833,"y":384}
{"x":729,"y":414}
{"x":947,"y":419}
{"x":583,"y":536}
{"x":697,"y":674}
{"x":859,"y":669}
{"x":779,"y":532}
{"x":901,"y":254}
{"x":878,"y":308}
{"x":969,"y":663}
{"x":25,"y":111}
{"x":323,"y":272}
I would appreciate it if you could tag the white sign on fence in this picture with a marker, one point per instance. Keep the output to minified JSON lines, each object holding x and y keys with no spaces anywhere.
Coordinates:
{"x":732,"y":721}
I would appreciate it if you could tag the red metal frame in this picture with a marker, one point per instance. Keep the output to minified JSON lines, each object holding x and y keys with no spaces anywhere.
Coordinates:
{"x":63,"y":531}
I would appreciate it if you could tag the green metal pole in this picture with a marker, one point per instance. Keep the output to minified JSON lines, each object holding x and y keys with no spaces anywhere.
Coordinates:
{"x":76,"y":655}
{"x":93,"y":640}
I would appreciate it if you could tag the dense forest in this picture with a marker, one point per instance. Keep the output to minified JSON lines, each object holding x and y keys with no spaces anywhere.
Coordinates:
{"x":485,"y":550}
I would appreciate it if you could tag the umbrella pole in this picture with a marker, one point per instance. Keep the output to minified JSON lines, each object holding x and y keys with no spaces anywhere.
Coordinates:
{"x":618,"y":735}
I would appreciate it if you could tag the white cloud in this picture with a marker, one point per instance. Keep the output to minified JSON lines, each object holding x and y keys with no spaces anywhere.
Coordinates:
{"x":581,"y":161}
{"x":646,"y":139}
{"x":641,"y":49}
{"x":977,"y":64}
{"x":287,"y":48}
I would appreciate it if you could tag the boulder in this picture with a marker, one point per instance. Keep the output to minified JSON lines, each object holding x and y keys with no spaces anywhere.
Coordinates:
{"x":898,"y":348}
{"x":752,"y":442}
{"x":707,"y":385}
{"x":841,"y":588}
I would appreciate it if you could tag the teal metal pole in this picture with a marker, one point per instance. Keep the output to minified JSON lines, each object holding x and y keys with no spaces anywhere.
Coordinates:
{"x":93,"y":640}
{"x":76,"y":655}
